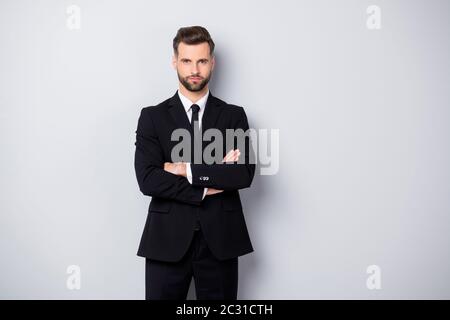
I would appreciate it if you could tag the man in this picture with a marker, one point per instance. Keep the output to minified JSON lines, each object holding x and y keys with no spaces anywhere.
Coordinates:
{"x":195,"y":225}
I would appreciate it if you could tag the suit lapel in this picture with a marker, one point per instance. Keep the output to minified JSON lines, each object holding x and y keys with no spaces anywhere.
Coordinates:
{"x":213,"y":108}
{"x":178,"y":113}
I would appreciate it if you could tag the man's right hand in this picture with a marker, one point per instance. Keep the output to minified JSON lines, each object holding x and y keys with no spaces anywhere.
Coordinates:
{"x":231,"y":156}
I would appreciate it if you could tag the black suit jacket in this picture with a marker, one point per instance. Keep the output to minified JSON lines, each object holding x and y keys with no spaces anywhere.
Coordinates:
{"x":175,"y":202}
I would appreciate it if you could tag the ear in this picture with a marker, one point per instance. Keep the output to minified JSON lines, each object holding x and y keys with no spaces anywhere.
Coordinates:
{"x":213,"y":62}
{"x":174,"y":62}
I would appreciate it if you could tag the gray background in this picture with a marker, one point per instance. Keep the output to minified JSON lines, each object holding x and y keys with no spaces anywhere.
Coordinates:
{"x":364,"y":142}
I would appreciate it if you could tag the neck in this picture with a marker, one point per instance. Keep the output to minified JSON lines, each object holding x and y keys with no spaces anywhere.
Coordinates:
{"x":193,"y":96}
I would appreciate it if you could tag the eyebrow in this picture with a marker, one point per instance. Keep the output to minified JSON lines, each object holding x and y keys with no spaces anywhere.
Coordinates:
{"x":186,"y":59}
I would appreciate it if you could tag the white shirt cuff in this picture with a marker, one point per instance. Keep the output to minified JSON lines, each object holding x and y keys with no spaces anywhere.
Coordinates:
{"x":188,"y":172}
{"x":189,"y":177}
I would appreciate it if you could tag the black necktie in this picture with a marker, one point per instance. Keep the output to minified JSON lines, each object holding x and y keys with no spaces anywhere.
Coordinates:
{"x":195,"y":109}
{"x":195,"y":127}
{"x":195,"y":131}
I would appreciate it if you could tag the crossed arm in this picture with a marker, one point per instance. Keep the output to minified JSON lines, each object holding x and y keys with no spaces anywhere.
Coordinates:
{"x":180,"y":168}
{"x":168,"y":180}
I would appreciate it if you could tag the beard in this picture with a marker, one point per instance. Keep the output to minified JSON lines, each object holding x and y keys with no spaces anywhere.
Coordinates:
{"x":194,"y":87}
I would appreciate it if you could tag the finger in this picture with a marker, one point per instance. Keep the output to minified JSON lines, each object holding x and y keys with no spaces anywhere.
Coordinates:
{"x":236,"y":155}
{"x":229,"y":156}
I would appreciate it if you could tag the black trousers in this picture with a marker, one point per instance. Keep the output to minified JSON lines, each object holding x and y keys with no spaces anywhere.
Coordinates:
{"x":214,"y":279}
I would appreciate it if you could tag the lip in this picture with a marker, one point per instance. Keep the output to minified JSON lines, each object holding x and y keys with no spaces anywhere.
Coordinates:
{"x":195,"y":78}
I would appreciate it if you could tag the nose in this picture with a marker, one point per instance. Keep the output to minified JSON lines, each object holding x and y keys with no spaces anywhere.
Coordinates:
{"x":194,"y":70}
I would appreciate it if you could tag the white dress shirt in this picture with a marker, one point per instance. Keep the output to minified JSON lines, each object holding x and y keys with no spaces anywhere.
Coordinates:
{"x":187,"y":107}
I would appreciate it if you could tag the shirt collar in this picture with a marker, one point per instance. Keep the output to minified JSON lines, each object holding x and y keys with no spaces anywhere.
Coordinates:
{"x":188,"y":103}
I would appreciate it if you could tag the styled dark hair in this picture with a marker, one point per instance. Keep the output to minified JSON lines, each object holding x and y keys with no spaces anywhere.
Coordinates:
{"x":193,"y":35}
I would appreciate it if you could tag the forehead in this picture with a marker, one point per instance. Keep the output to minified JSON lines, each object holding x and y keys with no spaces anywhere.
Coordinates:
{"x":193,"y":51}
